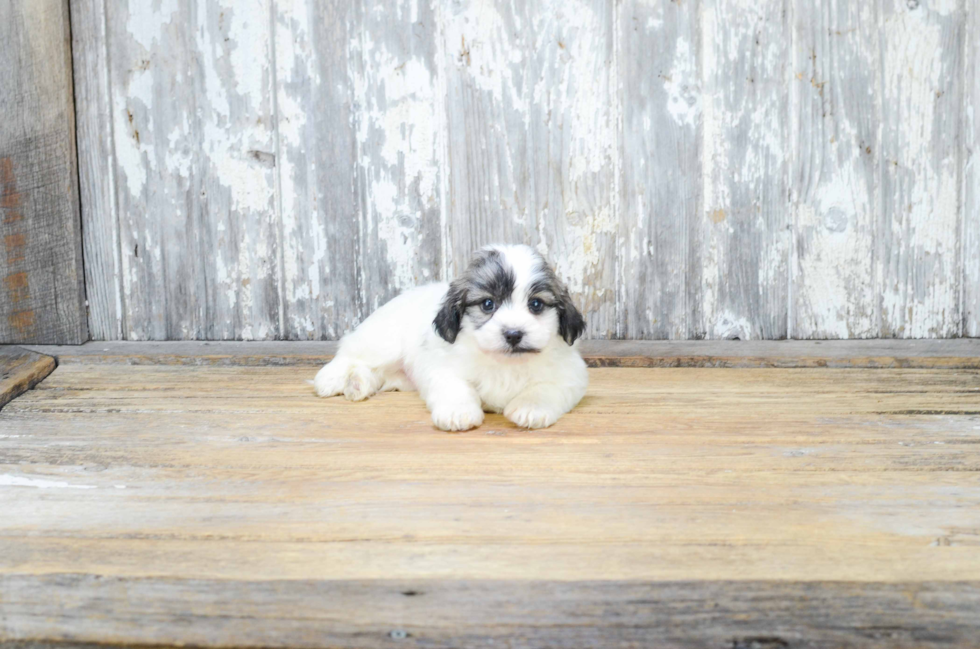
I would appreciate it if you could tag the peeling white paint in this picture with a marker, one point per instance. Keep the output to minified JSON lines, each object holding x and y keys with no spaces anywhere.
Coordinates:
{"x":399,"y":151}
{"x":7,"y":480}
{"x":923,"y":202}
{"x":206,"y":136}
{"x":684,"y":87}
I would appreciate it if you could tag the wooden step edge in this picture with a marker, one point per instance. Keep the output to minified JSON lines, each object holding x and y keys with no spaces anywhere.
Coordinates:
{"x":20,"y":370}
{"x":960,"y":353}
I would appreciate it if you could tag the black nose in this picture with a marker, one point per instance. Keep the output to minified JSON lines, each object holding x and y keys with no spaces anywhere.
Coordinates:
{"x":514,"y":337}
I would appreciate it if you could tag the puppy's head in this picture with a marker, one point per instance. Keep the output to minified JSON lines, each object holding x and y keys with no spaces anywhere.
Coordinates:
{"x":511,"y":302}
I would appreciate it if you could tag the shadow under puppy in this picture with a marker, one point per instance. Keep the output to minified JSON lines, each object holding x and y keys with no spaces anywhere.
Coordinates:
{"x":501,"y":338}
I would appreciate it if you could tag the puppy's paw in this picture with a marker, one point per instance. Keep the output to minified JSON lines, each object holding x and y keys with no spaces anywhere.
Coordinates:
{"x":361,"y":383}
{"x":531,"y":415}
{"x":457,"y":417}
{"x":331,"y":379}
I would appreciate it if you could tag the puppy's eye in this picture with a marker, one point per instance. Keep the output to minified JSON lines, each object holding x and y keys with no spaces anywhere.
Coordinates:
{"x":535,"y":305}
{"x":487,"y":305}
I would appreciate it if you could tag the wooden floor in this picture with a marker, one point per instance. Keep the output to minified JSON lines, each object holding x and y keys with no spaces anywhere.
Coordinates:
{"x":225,"y":505}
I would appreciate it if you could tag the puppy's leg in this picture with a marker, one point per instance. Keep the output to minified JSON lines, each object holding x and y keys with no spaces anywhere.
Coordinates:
{"x":356,"y":381}
{"x":362,"y":382}
{"x":332,"y":377}
{"x":453,"y":402}
{"x":540,"y":405}
{"x":397,"y":381}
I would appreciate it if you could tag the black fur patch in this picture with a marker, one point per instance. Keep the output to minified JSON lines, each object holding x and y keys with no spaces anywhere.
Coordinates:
{"x":553,"y":292}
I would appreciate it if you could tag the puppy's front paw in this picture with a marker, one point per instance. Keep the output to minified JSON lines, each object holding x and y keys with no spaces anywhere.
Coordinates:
{"x":457,"y":417}
{"x":361,"y":383}
{"x":531,"y":415}
{"x":330,"y":380}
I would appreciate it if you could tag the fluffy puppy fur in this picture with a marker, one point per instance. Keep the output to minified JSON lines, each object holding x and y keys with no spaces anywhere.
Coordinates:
{"x":501,"y":338}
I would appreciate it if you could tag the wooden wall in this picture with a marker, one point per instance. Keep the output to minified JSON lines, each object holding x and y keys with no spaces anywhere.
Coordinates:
{"x":695,"y":168}
{"x":42,"y":296}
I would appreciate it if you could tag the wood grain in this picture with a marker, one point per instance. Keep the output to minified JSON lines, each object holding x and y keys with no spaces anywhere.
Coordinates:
{"x":971,"y":175}
{"x":745,"y":223}
{"x":836,"y":103}
{"x":660,"y":268}
{"x":193,"y":120}
{"x":42,"y":296}
{"x":394,"y":76}
{"x":228,"y":506}
{"x":454,"y":613}
{"x":97,"y":170}
{"x":316,"y":167}
{"x":917,"y":238}
{"x":21,"y":370}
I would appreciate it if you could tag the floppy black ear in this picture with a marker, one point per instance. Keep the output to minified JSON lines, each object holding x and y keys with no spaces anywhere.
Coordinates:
{"x":571,"y":324}
{"x":450,"y":316}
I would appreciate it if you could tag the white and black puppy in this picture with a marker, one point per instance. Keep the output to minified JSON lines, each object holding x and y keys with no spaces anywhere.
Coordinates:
{"x":501,"y":338}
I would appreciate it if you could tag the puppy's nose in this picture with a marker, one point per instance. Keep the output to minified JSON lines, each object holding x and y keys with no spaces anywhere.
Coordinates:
{"x":513,"y":337}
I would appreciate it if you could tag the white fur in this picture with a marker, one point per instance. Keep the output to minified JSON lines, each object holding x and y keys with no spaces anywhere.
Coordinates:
{"x":397,"y":348}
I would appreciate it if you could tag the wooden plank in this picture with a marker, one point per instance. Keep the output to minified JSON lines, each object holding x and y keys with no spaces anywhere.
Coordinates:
{"x":194,"y":137}
{"x":21,"y":370}
{"x":487,"y":53}
{"x":316,"y":167}
{"x":573,"y":112}
{"x":836,"y":108}
{"x":400,"y":161}
{"x":971,"y":175}
{"x":97,"y":169}
{"x":532,"y":140}
{"x":745,"y":54}
{"x":43,"y":296}
{"x":696,"y":507}
{"x":661,"y":86}
{"x":447,"y":613}
{"x":885,"y":353}
{"x":922,"y":99}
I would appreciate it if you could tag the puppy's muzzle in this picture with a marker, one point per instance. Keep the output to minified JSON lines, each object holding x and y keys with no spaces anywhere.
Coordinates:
{"x":514,"y":337}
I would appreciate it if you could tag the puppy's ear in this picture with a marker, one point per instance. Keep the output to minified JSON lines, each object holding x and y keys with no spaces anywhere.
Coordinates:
{"x":450,"y":316}
{"x":571,"y":324}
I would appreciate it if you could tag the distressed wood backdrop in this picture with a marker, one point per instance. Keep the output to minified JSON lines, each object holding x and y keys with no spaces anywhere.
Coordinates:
{"x":695,"y":168}
{"x":42,"y":292}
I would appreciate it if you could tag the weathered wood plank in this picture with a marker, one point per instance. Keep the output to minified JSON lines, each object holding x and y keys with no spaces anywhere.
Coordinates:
{"x":488,"y":91}
{"x":194,"y":125}
{"x":836,"y":150}
{"x":885,"y":353}
{"x":316,"y":166}
{"x":971,"y":175}
{"x":571,"y":98}
{"x":453,"y":613}
{"x":97,"y":170}
{"x":21,"y":370}
{"x":922,"y":97}
{"x":694,"y":169}
{"x":824,"y":515}
{"x":532,"y":139}
{"x":42,"y":297}
{"x":397,"y":121}
{"x":660,"y":256}
{"x":745,"y":57}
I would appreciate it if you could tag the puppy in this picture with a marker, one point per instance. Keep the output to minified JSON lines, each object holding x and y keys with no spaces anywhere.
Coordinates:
{"x":501,"y":338}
